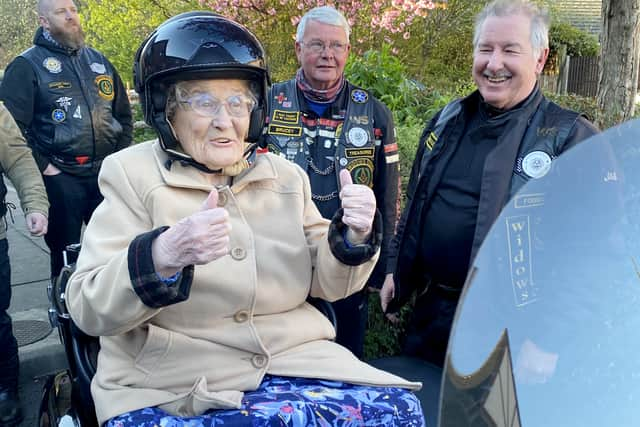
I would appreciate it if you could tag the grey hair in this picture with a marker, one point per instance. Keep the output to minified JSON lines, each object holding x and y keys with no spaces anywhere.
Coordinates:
{"x":326,"y":15}
{"x":180,"y":91}
{"x":539,"y":18}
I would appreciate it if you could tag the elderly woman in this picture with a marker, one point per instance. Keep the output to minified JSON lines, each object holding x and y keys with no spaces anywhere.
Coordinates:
{"x":196,"y":268}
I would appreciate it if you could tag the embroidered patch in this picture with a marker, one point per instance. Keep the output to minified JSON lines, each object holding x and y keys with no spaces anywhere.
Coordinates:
{"x":358,"y":137}
{"x":98,"y":68}
{"x":59,"y":85}
{"x":286,"y":116}
{"x":359,"y":96}
{"x":359,"y":152}
{"x":361,"y":171}
{"x":105,"y":87}
{"x":64,"y":102}
{"x":52,"y":64}
{"x":285,"y":130}
{"x":58,"y":115}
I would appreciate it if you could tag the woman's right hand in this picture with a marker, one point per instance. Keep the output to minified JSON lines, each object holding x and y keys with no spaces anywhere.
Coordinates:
{"x":197,"y":239}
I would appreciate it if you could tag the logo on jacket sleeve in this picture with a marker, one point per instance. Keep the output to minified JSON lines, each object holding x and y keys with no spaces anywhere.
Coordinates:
{"x":536,"y":164}
{"x":105,"y":87}
{"x":53,"y":65}
{"x":98,"y":68}
{"x":359,"y":96}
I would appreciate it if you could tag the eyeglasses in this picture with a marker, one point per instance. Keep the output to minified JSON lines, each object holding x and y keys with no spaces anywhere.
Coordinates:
{"x":209,"y":106}
{"x":316,"y":46}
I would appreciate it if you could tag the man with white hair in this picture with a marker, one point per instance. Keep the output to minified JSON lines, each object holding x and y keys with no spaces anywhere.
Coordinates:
{"x":473,"y":157}
{"x":325,"y":124}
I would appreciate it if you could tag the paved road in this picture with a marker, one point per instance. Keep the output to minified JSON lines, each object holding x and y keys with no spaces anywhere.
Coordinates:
{"x":29,"y":277}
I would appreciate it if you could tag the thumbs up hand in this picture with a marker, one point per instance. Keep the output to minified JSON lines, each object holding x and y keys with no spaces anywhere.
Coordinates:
{"x":359,"y":205}
{"x":197,"y":239}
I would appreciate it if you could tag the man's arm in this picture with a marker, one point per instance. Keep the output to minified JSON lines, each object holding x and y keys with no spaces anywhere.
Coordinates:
{"x":18,"y":92}
{"x":582,"y":129}
{"x":16,"y":161}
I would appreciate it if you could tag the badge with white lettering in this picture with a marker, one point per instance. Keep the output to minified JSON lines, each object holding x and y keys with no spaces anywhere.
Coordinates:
{"x":536,"y":164}
{"x":53,"y":65}
{"x":58,"y":115}
{"x":359,"y":96}
{"x":358,"y":137}
{"x":105,"y":87}
{"x":286,"y":116}
{"x":285,"y":130}
{"x":98,"y":68}
{"x":64,"y":102}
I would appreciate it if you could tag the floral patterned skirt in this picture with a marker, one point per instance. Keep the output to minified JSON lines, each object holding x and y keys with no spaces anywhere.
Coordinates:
{"x":285,"y":401}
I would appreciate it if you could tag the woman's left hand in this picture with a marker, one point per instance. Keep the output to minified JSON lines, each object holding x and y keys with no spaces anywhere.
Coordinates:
{"x":359,"y":205}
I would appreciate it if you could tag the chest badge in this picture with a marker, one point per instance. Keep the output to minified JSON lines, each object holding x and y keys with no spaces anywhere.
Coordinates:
{"x":536,"y":164}
{"x":359,"y":96}
{"x":53,"y":65}
{"x":58,"y":115}
{"x":358,"y":137}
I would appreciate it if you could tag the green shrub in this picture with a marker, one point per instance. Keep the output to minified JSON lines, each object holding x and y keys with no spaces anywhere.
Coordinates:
{"x":578,"y":42}
{"x":383,"y":338}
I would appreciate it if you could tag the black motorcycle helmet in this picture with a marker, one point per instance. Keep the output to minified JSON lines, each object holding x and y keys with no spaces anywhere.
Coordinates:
{"x":191,"y":46}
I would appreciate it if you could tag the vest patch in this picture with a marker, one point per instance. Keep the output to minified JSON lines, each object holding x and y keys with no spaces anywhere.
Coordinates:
{"x":431,"y":140}
{"x":58,"y":115}
{"x":285,"y":130}
{"x":359,"y":96}
{"x":359,"y":152}
{"x":52,"y":64}
{"x":358,"y":137}
{"x":98,"y":68}
{"x":59,"y":85}
{"x":286,"y":116}
{"x":105,"y":87}
{"x":362,"y":171}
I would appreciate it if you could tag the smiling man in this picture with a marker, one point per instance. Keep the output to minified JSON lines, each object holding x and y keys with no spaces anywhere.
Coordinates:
{"x":474,"y":155}
{"x":325,"y":124}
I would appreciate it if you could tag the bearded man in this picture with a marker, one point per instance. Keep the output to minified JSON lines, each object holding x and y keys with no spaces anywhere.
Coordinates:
{"x":73,"y":110}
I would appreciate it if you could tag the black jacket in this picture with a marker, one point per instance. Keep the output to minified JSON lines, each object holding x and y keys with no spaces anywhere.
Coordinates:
{"x":70,"y":104}
{"x":539,"y":127}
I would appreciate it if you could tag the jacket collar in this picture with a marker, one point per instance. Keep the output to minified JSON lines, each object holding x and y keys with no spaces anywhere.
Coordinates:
{"x":176,"y":174}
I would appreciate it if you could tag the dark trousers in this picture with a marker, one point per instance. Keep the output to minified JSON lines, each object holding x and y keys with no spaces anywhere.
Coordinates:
{"x":8,"y":344}
{"x":430,"y":325}
{"x":351,"y":315}
{"x":72,"y":200}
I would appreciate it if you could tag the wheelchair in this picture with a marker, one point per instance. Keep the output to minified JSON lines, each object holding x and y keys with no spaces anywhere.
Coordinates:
{"x":66,"y":398}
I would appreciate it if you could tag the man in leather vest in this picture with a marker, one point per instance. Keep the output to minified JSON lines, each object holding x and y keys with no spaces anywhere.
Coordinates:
{"x":325,"y":124}
{"x":72,"y":108}
{"x":17,"y":164}
{"x":472,"y":157}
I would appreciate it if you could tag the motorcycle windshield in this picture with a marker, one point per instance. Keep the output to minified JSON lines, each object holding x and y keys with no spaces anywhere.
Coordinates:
{"x":547,"y":332}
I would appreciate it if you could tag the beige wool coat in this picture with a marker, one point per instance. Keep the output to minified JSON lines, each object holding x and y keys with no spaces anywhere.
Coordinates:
{"x":246,"y":314}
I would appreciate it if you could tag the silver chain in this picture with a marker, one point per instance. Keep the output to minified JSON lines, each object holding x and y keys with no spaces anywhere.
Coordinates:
{"x":325,"y":197}
{"x":323,"y":172}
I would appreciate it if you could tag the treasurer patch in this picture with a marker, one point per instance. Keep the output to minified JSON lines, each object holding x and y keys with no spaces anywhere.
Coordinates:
{"x":105,"y":87}
{"x":359,"y":152}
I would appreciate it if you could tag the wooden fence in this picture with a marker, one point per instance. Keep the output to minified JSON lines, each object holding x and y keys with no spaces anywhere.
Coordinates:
{"x":583,"y":75}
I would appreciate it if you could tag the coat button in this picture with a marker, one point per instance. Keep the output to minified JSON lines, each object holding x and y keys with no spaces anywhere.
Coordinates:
{"x":258,"y":360}
{"x":222,"y":199}
{"x":241,"y":316}
{"x":238,"y":253}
